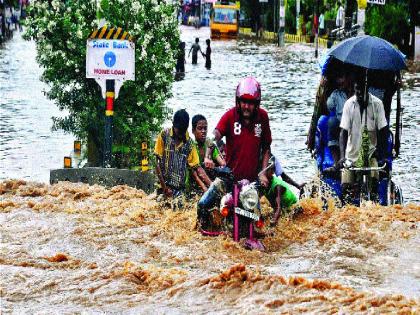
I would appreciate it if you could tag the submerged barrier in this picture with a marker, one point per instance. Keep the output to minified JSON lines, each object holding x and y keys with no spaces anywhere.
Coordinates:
{"x":246,"y":31}
{"x":289,"y":38}
{"x":105,"y":176}
{"x":292,"y":38}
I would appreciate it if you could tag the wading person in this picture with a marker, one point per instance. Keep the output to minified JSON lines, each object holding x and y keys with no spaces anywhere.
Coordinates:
{"x":207,"y":55}
{"x":199,"y":130}
{"x":180,"y":60}
{"x":363,"y":136}
{"x":339,"y":20}
{"x":175,"y":153}
{"x":248,"y":137}
{"x":278,"y":193}
{"x":195,"y":48}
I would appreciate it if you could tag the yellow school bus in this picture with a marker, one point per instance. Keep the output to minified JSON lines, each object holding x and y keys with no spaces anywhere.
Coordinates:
{"x":224,"y":20}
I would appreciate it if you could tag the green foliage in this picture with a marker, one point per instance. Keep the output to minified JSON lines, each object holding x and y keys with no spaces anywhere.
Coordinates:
{"x":330,"y":14}
{"x":251,"y":11}
{"x":390,"y":22}
{"x":291,"y":17}
{"x":60,"y":30}
{"x":11,"y":3}
{"x":307,"y":8}
{"x":252,"y":8}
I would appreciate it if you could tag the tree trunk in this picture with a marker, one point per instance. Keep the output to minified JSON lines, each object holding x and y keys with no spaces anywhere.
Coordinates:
{"x":351,"y":6}
{"x":3,"y":21}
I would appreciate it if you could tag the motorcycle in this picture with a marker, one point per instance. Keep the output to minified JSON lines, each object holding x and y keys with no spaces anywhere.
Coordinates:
{"x":230,"y":206}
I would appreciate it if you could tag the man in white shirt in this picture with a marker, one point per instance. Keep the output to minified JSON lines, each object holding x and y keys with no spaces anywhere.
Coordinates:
{"x":321,"y":24}
{"x":355,"y":126}
{"x":339,"y":20}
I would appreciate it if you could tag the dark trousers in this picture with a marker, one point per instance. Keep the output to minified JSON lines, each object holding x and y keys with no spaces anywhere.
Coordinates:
{"x":180,"y":66}
{"x":209,"y":199}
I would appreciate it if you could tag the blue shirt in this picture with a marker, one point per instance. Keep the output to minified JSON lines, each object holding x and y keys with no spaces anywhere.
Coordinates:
{"x":278,"y":170}
{"x":335,"y":102}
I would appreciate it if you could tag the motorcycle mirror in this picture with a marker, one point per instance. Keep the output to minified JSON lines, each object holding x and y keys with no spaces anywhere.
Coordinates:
{"x":270,"y":164}
{"x":271,"y":161}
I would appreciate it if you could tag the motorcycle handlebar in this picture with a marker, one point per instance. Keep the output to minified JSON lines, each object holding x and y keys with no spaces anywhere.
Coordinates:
{"x":361,"y":169}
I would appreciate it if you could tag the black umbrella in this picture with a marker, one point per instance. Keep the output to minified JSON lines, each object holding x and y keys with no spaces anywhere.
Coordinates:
{"x":368,"y":52}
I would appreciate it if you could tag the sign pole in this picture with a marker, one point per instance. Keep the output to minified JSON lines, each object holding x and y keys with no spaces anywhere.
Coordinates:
{"x":316,"y":23}
{"x":110,"y":60}
{"x":282,"y":23}
{"x":109,"y":115}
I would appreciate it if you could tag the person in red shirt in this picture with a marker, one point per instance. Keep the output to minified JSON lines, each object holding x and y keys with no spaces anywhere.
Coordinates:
{"x":248,"y":136}
{"x":248,"y":139}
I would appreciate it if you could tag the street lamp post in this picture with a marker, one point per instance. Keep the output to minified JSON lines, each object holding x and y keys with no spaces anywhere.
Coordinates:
{"x":316,"y":23}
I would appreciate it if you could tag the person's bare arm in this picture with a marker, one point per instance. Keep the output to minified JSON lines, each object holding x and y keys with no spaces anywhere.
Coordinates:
{"x":208,"y":161}
{"x":166,"y":190}
{"x":198,"y":180}
{"x":277,"y":210}
{"x":203,"y":176}
{"x":290,"y":181}
{"x":217,"y":135}
{"x":220,"y":160}
{"x":265,"y":157}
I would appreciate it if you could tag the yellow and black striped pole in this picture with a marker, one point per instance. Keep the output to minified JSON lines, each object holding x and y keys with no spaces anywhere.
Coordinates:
{"x":109,"y":115}
{"x":144,"y":157}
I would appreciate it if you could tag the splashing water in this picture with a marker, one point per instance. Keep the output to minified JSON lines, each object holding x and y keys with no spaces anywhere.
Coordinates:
{"x":80,"y":248}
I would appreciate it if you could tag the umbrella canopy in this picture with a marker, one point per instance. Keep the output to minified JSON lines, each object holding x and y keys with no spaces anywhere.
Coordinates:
{"x":369,"y":52}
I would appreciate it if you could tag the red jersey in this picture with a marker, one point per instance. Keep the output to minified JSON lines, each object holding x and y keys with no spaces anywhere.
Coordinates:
{"x":244,"y":144}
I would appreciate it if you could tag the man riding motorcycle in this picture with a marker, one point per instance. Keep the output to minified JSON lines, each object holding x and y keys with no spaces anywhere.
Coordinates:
{"x":248,"y":137}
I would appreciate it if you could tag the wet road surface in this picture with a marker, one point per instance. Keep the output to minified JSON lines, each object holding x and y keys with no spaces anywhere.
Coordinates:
{"x":28,"y":147}
{"x":289,"y":79}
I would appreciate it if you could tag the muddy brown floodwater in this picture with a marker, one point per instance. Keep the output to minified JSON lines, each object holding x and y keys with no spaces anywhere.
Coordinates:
{"x":73,"y":248}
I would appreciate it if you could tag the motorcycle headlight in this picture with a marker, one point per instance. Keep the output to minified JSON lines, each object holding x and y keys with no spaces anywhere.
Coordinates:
{"x":248,"y":197}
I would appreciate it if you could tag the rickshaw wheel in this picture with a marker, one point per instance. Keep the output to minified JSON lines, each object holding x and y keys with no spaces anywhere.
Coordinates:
{"x":399,"y":199}
{"x":310,"y":190}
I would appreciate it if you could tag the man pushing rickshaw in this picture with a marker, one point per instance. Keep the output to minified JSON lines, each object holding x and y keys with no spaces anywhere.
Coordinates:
{"x":366,"y":144}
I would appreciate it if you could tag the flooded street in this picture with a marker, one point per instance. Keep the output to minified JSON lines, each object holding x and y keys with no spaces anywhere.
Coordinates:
{"x":74,"y":248}
{"x":28,"y":147}
{"x":289,"y":78}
